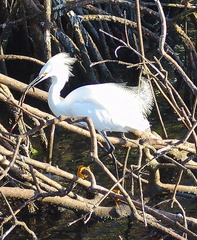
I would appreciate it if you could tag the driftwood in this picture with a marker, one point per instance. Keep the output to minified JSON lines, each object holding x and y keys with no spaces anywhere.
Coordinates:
{"x":95,"y":35}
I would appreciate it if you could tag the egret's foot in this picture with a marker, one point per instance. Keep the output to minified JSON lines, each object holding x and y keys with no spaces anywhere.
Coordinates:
{"x":117,"y":200}
{"x":80,"y":171}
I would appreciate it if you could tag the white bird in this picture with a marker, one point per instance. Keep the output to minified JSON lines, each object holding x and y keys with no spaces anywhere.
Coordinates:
{"x":112,"y":107}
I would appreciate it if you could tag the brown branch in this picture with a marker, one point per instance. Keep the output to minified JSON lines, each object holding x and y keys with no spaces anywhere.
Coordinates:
{"x":47,"y":27}
{"x":16,"y":222}
{"x":13,"y":159}
{"x":19,"y":86}
{"x":166,"y":55}
{"x":105,"y":212}
{"x":20,"y":57}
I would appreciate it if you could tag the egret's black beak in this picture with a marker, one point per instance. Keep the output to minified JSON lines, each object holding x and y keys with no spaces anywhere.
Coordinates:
{"x":37,"y":80}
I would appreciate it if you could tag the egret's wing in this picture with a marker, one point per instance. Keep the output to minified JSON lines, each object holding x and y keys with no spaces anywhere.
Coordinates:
{"x":112,"y":107}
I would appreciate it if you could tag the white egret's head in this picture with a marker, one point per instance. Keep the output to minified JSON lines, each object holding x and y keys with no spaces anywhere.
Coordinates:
{"x":60,"y":63}
{"x":58,"y":67}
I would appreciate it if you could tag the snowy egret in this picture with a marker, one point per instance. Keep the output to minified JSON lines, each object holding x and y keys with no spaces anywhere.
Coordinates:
{"x":112,"y":107}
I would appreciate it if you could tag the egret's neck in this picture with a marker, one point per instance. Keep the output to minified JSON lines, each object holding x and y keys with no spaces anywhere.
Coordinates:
{"x":54,"y":99}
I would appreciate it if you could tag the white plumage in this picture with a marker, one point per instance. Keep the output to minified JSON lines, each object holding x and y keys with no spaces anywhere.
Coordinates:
{"x":111,"y":106}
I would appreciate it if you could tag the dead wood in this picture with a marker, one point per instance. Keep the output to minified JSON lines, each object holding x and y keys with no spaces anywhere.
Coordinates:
{"x":140,"y":35}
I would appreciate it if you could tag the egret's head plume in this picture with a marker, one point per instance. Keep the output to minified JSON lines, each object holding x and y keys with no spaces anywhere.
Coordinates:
{"x":58,"y":67}
{"x":60,"y":64}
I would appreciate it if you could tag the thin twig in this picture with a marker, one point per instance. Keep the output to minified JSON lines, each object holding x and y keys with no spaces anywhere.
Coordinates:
{"x":166,"y":55}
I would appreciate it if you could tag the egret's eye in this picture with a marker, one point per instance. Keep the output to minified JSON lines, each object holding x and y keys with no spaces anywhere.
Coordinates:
{"x":43,"y":74}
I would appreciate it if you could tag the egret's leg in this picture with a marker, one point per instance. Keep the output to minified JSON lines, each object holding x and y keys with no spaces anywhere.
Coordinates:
{"x":110,"y":150}
{"x":110,"y":146}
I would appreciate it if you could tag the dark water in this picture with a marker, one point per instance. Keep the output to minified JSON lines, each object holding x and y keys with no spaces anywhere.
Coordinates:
{"x":55,"y":228}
